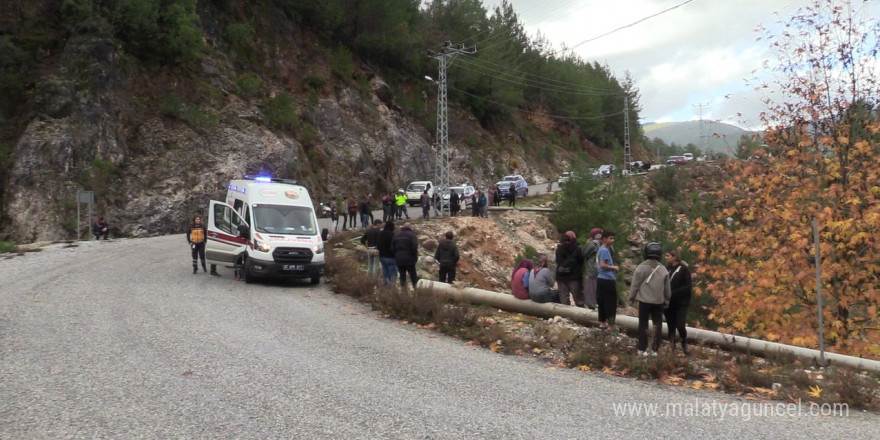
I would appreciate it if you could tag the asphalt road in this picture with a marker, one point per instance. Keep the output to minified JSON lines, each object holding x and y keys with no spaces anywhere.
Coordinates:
{"x":416,"y":211}
{"x":119,"y":340}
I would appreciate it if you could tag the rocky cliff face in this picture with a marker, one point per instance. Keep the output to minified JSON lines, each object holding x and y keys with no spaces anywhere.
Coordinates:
{"x":74,"y":118}
{"x":98,"y":119}
{"x":159,"y":171}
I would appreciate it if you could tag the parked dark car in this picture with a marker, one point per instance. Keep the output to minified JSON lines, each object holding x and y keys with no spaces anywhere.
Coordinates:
{"x":522,"y":187}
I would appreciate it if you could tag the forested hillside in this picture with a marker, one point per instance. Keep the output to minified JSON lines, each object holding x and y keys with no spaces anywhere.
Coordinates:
{"x":153,"y":104}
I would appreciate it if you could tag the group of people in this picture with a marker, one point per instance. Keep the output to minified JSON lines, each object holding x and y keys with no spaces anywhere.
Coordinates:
{"x":351,"y":210}
{"x":479,"y":204}
{"x":395,"y":252}
{"x":398,"y":252}
{"x":587,"y":276}
{"x":661,"y":290}
{"x":394,"y":207}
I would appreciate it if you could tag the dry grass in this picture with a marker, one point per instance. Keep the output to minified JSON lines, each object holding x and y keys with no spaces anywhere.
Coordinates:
{"x":565,"y":344}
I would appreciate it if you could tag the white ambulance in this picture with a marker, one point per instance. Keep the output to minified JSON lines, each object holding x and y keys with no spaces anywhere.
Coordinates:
{"x":269,"y":227}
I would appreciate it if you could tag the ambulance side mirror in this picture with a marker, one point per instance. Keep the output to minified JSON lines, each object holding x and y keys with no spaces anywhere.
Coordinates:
{"x":244,"y":231}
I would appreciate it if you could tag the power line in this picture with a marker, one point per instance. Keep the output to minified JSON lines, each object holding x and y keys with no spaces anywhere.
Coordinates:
{"x":489,"y":28}
{"x":631,"y":24}
{"x":526,"y":81}
{"x":573,"y":118}
{"x":561,"y":5}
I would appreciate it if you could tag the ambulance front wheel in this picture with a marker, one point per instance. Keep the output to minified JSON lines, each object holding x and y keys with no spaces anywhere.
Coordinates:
{"x":246,"y":272}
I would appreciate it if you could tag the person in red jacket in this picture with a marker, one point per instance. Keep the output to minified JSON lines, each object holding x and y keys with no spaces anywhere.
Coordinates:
{"x":520,"y":278}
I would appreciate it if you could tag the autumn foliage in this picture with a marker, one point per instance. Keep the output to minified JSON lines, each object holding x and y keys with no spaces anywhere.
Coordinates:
{"x":820,"y":161}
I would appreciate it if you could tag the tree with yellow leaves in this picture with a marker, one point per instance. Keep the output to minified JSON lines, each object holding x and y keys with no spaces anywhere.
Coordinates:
{"x":820,"y":160}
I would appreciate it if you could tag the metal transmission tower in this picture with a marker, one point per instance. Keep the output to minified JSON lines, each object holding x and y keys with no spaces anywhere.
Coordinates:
{"x":627,"y":153}
{"x":444,"y":56}
{"x":703,"y":136}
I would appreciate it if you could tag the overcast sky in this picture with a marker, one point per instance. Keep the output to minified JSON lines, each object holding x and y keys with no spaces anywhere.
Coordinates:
{"x":699,"y":53}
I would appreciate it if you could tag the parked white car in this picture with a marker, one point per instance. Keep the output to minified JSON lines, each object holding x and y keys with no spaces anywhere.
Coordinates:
{"x":465,"y":194}
{"x":414,"y":191}
{"x":606,"y":170}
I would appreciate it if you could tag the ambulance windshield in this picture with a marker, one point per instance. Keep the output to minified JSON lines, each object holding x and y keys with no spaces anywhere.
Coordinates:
{"x":282,"y":219}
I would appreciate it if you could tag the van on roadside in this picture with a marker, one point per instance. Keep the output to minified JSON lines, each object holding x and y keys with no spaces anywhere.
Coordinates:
{"x":268,"y":227}
{"x":415,"y":189}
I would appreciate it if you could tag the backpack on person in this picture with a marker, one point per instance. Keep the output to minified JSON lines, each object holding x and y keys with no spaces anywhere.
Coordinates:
{"x":566,"y":266}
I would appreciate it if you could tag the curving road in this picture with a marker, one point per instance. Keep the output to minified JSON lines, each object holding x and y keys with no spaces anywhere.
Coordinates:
{"x":119,"y":340}
{"x":415,"y":212}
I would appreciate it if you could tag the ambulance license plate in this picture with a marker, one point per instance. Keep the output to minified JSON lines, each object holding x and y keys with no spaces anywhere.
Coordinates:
{"x":292,"y":267}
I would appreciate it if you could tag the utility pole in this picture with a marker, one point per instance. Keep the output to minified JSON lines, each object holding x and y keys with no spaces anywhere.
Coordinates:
{"x":703,"y":136}
{"x":627,"y":153}
{"x":444,"y":57}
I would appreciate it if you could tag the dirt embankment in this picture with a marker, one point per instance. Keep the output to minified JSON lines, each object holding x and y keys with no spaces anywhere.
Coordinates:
{"x":488,"y":246}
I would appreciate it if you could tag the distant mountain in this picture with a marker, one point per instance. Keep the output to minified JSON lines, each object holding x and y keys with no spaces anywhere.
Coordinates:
{"x":719,"y":136}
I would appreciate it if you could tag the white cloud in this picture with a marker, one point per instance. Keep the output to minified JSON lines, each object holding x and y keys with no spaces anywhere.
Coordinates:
{"x":699,"y":53}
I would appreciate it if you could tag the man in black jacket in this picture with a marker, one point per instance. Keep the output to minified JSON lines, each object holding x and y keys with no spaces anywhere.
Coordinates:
{"x":100,"y":229}
{"x":569,"y":265}
{"x":447,"y":256}
{"x":406,"y":253}
{"x":370,"y":239}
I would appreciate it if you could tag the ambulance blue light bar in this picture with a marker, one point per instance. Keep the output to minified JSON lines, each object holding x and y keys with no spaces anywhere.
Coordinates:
{"x":269,"y":179}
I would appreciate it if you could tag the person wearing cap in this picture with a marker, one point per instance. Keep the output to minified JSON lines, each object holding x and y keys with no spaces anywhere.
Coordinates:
{"x":650,"y":286}
{"x":591,"y":268}
{"x":569,"y":267}
{"x":400,"y":200}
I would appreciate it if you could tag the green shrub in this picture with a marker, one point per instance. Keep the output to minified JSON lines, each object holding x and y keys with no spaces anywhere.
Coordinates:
{"x":200,"y":118}
{"x":6,"y":246}
{"x":69,"y":226}
{"x":165,"y":31}
{"x":529,"y":252}
{"x":667,"y":183}
{"x":240,"y":36}
{"x":342,"y":63}
{"x":280,"y":112}
{"x":604,"y":203}
{"x":171,"y":106}
{"x":6,"y":161}
{"x":308,"y":134}
{"x":315,"y":82}
{"x":249,"y":85}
